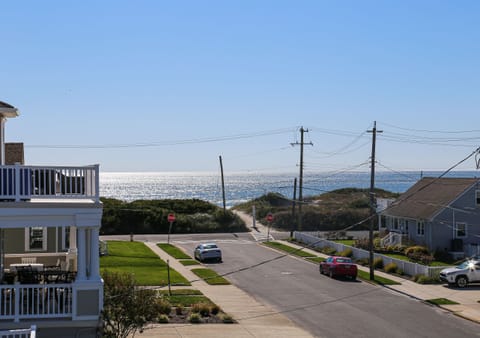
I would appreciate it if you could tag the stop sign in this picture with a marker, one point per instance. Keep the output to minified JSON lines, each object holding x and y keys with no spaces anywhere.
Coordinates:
{"x":171,"y":217}
{"x":269,"y":217}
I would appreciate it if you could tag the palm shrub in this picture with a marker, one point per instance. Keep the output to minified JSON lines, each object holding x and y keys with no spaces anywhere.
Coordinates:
{"x":391,"y":268}
{"x":378,"y":263}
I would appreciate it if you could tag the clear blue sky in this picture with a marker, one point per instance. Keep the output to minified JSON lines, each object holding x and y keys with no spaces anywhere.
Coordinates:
{"x":182,"y":76}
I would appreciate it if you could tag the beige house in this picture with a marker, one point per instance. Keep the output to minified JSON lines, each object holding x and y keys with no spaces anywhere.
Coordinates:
{"x":50,"y":218}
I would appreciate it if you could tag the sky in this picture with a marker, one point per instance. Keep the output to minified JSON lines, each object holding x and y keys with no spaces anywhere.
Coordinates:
{"x":172,"y":85}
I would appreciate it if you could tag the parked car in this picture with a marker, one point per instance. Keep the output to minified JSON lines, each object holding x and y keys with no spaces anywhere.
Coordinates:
{"x":336,"y":266}
{"x":208,"y":251}
{"x":461,"y":275}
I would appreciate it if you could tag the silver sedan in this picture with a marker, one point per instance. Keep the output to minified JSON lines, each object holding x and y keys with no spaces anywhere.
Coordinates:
{"x":208,"y":251}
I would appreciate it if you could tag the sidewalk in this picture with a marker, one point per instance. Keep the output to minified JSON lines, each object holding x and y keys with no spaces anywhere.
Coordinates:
{"x":468,"y":298}
{"x":253,"y":318}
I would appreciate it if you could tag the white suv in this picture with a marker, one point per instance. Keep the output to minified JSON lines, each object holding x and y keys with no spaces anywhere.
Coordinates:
{"x":467,"y":272}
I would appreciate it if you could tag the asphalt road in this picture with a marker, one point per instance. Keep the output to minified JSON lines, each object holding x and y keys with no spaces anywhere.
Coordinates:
{"x":325,"y":307}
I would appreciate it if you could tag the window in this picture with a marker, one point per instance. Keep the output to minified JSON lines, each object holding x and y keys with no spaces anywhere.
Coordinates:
{"x":420,"y":228}
{"x":477,"y":197}
{"x":461,"y":230}
{"x":35,"y":238}
{"x":395,"y":224}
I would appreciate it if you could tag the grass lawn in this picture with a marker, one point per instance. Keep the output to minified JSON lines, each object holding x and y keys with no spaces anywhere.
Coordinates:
{"x":441,"y":301}
{"x":173,"y":251}
{"x":349,"y":242}
{"x":365,"y":275}
{"x":315,"y":259}
{"x":138,"y":259}
{"x":210,"y":276}
{"x":185,"y":297}
{"x":288,"y":249}
{"x":188,"y":262}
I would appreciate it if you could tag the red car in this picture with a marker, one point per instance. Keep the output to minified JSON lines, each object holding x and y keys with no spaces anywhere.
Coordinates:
{"x":336,"y":266}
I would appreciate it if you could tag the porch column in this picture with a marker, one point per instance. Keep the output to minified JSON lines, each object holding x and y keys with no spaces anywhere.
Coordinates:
{"x":94,"y":255}
{"x":81,"y":255}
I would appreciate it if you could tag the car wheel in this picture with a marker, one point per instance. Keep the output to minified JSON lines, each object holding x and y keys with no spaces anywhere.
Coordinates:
{"x":321,"y":270}
{"x":330,"y":273}
{"x":461,"y":281}
{"x":354,"y":278}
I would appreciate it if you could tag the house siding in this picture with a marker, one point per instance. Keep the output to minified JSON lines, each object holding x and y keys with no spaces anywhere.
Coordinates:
{"x":462,"y":210}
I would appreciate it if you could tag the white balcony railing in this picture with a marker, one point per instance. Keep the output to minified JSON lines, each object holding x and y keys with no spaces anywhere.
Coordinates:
{"x":27,"y":302}
{"x":19,"y":182}
{"x":20,"y":333}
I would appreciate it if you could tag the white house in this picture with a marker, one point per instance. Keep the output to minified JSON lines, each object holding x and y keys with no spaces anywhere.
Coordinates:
{"x":50,"y":218}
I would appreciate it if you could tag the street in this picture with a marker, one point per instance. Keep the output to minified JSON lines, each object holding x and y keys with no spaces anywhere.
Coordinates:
{"x":322,"y":306}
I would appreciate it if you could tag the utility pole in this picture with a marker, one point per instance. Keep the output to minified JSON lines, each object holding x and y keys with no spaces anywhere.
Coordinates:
{"x":300,"y":185}
{"x":293,"y":207}
{"x":223,"y":186}
{"x":374,"y":132}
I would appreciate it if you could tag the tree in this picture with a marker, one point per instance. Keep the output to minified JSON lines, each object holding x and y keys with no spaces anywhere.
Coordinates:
{"x":127,"y":309}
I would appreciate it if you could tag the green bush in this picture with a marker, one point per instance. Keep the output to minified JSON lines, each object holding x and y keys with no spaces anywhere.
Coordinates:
{"x":204,"y":309}
{"x":328,"y":250}
{"x":362,"y":261}
{"x":378,"y":263}
{"x":162,"y":319}
{"x":346,"y":253}
{"x":422,"y":279}
{"x":163,"y":306}
{"x":391,"y":268}
{"x":194,"y":318}
{"x":215,"y":309}
{"x":179,"y":310}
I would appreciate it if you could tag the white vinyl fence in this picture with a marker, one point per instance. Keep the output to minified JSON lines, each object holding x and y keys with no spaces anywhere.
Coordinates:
{"x":409,"y":268}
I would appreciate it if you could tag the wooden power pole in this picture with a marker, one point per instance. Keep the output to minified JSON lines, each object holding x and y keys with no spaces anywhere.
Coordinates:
{"x":374,"y":132}
{"x":223,"y":186}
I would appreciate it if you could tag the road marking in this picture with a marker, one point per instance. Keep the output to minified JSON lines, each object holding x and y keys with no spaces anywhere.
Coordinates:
{"x":261,"y":237}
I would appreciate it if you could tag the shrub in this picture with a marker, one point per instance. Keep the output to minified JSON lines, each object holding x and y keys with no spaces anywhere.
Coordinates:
{"x":391,"y":268}
{"x":195,"y":308}
{"x":422,"y":279}
{"x":346,"y":253}
{"x":227,"y":319}
{"x":362,"y":261}
{"x":215,"y":309}
{"x":162,"y":319}
{"x":163,"y":306}
{"x":378,"y":263}
{"x":328,"y":250}
{"x":194,"y":318}
{"x":204,"y":309}
{"x":419,"y":253}
{"x":179,"y":310}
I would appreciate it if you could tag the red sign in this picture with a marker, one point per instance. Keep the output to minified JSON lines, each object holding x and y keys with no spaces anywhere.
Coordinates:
{"x":269,"y":217}
{"x":171,"y":217}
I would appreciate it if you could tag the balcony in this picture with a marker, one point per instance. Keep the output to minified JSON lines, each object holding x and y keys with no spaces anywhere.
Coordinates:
{"x":25,"y":183}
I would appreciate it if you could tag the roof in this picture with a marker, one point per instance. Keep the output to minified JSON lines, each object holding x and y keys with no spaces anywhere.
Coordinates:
{"x":7,"y":110}
{"x":429,"y":196}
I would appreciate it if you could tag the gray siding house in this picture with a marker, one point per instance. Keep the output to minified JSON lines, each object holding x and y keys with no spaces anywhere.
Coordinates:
{"x":50,"y":217}
{"x":442,"y":214}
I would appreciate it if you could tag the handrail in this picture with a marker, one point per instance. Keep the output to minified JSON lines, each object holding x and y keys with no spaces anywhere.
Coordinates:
{"x":20,"y":182}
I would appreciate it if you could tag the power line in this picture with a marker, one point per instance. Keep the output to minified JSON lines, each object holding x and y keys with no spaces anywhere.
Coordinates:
{"x":169,"y":143}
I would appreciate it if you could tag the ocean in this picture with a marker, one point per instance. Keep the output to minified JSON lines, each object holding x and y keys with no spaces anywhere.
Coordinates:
{"x":243,"y":187}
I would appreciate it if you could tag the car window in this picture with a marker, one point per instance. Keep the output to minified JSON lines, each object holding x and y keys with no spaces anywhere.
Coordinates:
{"x":210,"y":246}
{"x":344,"y":260}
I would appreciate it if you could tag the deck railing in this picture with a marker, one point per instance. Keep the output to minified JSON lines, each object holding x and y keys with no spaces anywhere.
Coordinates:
{"x":20,"y":333}
{"x":19,"y":182}
{"x":20,"y":301}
